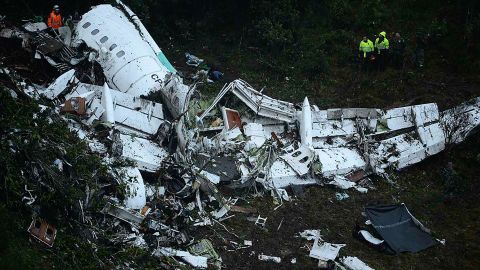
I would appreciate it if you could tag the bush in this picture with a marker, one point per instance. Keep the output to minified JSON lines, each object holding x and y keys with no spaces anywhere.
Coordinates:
{"x":277,"y":22}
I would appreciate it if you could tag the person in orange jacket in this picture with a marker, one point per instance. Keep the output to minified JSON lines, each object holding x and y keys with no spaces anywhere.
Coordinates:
{"x":55,"y":19}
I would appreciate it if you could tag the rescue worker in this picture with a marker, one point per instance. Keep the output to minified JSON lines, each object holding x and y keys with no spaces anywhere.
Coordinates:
{"x":382,"y":45}
{"x":55,"y":19}
{"x":365,"y":49}
{"x":398,"y":50}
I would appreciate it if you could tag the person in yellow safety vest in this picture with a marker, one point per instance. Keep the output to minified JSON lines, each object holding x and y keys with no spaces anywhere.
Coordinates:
{"x":365,"y":49}
{"x":382,"y":45}
{"x":55,"y":19}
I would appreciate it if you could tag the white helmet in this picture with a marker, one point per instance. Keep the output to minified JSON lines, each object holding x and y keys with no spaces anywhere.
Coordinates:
{"x":56,"y":7}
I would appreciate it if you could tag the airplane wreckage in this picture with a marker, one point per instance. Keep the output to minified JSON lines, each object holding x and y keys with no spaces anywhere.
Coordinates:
{"x":241,"y":138}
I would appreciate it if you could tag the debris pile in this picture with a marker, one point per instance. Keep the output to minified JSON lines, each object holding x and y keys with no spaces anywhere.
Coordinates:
{"x":171,"y":154}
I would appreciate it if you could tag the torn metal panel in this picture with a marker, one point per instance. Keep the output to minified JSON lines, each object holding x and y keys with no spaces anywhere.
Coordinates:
{"x":354,"y":263}
{"x":42,"y":231}
{"x":333,"y":128}
{"x":351,"y":113}
{"x":306,"y":129}
{"x":399,"y":118}
{"x":255,"y":134}
{"x":339,"y":161}
{"x":107,"y":103}
{"x":215,"y":179}
{"x":261,"y":104}
{"x":325,"y":251}
{"x":131,"y":217}
{"x":283,"y":175}
{"x":460,"y":122}
{"x":397,"y":152}
{"x":132,"y":114}
{"x":60,"y":84}
{"x":370,"y":238}
{"x":300,"y":159}
{"x":425,"y":114}
{"x":222,"y":166}
{"x":432,"y":137}
{"x":356,"y":175}
{"x":267,"y":258}
{"x":176,"y":95}
{"x":136,"y":194}
{"x":146,"y":154}
{"x":35,"y":27}
{"x":195,"y":261}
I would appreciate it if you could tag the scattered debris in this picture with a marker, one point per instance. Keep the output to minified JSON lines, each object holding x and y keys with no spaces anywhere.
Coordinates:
{"x":354,"y":263}
{"x":341,"y":196}
{"x":170,"y":153}
{"x":325,"y":251}
{"x":195,"y":261}
{"x":261,"y":221}
{"x":267,"y":258}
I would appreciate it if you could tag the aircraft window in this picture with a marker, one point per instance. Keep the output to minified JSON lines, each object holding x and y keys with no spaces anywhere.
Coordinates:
{"x":113,"y":47}
{"x":120,"y":53}
{"x":103,"y":39}
{"x":95,"y":31}
{"x":86,"y":25}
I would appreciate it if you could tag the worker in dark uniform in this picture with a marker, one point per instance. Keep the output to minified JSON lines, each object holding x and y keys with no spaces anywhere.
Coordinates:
{"x":398,"y":51}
